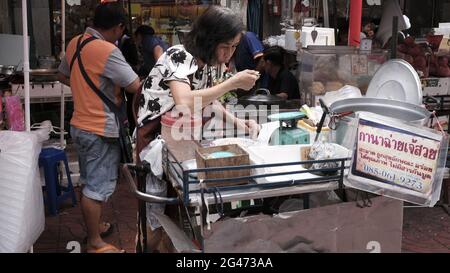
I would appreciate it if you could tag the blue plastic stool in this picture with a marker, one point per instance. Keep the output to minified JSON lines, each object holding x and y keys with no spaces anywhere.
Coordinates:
{"x":49,"y":159}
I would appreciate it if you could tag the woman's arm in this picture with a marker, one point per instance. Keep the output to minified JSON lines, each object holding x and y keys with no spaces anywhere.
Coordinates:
{"x":184,"y":96}
{"x":243,"y":126}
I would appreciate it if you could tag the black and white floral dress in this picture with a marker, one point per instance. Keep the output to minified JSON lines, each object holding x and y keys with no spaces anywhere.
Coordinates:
{"x":176,"y":64}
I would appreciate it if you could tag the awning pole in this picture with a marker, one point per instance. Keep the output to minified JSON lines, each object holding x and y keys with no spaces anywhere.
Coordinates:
{"x":63,"y":50}
{"x":354,"y":31}
{"x":26,"y":64}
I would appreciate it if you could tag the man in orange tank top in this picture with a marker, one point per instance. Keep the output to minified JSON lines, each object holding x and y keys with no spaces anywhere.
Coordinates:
{"x":94,"y":127}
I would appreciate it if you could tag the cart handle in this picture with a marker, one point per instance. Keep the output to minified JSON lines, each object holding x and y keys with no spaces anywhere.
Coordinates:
{"x":145,"y":196}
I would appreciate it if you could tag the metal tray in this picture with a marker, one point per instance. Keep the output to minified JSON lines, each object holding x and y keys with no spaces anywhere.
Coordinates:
{"x":189,"y":188}
{"x":396,"y":80}
{"x":386,"y":107}
{"x":44,"y":72}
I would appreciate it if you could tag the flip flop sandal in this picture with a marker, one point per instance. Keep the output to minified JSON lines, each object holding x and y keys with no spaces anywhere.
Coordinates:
{"x":103,"y":234}
{"x":108,"y":248}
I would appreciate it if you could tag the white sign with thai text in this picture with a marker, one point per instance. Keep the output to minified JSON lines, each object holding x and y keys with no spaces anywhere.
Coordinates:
{"x":395,"y":156}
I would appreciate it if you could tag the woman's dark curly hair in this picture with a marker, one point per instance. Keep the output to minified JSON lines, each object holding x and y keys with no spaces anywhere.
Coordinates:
{"x":216,"y":25}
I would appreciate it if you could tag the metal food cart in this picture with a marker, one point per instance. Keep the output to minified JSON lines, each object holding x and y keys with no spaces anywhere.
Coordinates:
{"x":194,"y":195}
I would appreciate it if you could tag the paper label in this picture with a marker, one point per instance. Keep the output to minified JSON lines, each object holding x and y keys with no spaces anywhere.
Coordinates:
{"x":359,"y":65}
{"x":444,"y":47}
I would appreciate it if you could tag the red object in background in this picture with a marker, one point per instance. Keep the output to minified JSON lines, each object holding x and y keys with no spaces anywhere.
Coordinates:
{"x":435,"y":41}
{"x":14,"y":112}
{"x":298,"y":6}
{"x":275,"y":7}
{"x":1,"y":110}
{"x":354,"y":31}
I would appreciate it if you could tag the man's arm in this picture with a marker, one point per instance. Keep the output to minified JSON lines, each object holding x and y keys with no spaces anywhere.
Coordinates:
{"x":183,"y":95}
{"x":157,"y":52}
{"x":64,"y":72}
{"x":289,"y":86}
{"x":134,"y":87}
{"x":121,"y":73}
{"x":283,"y":95}
{"x":63,"y":78}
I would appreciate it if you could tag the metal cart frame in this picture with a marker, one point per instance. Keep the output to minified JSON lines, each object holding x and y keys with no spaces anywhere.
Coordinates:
{"x":194,"y":193}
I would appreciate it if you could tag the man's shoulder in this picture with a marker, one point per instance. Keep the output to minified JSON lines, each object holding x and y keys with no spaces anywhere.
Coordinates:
{"x":250,"y":35}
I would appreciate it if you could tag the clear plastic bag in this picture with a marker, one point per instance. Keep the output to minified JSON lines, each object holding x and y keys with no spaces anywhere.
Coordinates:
{"x":158,"y":187}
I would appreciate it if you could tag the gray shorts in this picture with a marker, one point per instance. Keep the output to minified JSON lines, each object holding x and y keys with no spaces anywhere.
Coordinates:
{"x":99,"y":159}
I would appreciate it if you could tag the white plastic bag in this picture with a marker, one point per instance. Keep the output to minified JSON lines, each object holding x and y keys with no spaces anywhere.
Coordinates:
{"x":346,"y":92}
{"x":152,"y":154}
{"x":158,"y":187}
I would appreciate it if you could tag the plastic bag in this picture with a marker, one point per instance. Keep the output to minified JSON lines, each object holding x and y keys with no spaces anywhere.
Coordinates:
{"x":346,"y":92}
{"x":152,"y":154}
{"x":158,"y":187}
{"x":14,"y":113}
{"x":22,"y":218}
{"x":322,"y":151}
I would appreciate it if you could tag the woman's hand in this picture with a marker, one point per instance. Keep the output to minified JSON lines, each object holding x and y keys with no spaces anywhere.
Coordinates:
{"x":253,"y":128}
{"x":249,"y":126}
{"x":244,"y":80}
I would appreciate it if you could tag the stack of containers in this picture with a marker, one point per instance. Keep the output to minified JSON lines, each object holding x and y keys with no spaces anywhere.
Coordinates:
{"x":22,"y":217}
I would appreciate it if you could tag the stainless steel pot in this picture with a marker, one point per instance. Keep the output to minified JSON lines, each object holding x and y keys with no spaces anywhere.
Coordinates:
{"x":261,"y":96}
{"x":386,"y":107}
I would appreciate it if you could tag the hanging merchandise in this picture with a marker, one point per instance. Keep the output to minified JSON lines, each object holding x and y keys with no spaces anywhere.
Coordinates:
{"x":254,"y":17}
{"x":298,"y":13}
{"x":304,"y":7}
{"x":286,"y":11}
{"x":73,"y":2}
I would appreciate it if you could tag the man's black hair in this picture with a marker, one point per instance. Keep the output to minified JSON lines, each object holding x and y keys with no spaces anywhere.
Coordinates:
{"x":144,"y":30}
{"x":108,"y":15}
{"x":274,"y":54}
{"x":216,"y":25}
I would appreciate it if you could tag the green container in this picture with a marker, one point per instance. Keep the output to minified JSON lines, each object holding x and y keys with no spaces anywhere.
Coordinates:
{"x":288,"y":133}
{"x":289,"y":136}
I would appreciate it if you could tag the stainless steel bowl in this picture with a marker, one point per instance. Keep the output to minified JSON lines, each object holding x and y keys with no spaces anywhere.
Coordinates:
{"x":7,"y":69}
